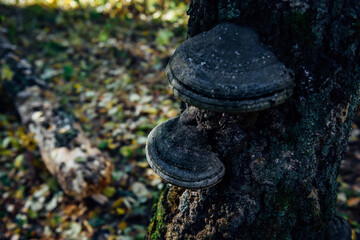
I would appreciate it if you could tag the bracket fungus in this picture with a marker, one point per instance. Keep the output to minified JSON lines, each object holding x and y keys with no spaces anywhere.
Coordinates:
{"x":226,"y":69}
{"x":180,"y":155}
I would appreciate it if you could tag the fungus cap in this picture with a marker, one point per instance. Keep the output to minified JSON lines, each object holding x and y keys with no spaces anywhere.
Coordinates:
{"x":227,"y":69}
{"x":181,"y":157}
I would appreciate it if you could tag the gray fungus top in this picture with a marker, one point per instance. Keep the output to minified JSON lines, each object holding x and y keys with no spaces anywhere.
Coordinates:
{"x":181,"y":156}
{"x":227,"y":69}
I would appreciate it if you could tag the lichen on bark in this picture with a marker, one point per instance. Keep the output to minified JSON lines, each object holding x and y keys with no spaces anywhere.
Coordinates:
{"x":282,"y":163}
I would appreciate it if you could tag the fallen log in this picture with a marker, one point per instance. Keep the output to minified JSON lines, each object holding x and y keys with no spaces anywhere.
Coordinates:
{"x":81,"y":169}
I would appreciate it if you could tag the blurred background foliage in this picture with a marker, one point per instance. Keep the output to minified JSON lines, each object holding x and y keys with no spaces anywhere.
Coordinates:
{"x":105,"y":60}
{"x":161,"y":10}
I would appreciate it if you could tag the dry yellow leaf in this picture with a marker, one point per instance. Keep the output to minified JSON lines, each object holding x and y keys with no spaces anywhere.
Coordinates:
{"x":149,"y":110}
{"x":353,"y":202}
{"x":88,"y":227}
{"x":120,"y":211}
{"x":171,"y":113}
{"x":142,"y":164}
{"x":122,"y":225}
{"x":118,"y":202}
{"x":69,"y":209}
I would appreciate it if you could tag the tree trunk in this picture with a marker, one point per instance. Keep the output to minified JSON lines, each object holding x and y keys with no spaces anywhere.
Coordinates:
{"x":281,"y":164}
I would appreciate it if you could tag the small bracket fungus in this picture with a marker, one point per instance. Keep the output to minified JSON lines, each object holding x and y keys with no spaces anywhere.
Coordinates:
{"x":180,"y":155}
{"x":226,"y":69}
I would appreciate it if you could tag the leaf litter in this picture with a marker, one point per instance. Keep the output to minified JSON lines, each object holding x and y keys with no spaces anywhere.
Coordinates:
{"x":108,"y":72}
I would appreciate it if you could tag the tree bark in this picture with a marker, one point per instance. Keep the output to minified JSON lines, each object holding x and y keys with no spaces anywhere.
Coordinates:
{"x":81,"y":169}
{"x":281,"y":164}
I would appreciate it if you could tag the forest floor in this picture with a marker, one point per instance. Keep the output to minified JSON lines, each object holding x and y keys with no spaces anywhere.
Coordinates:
{"x":108,"y":72}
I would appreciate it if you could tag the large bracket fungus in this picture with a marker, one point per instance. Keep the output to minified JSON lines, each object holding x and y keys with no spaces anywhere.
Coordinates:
{"x":226,"y":69}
